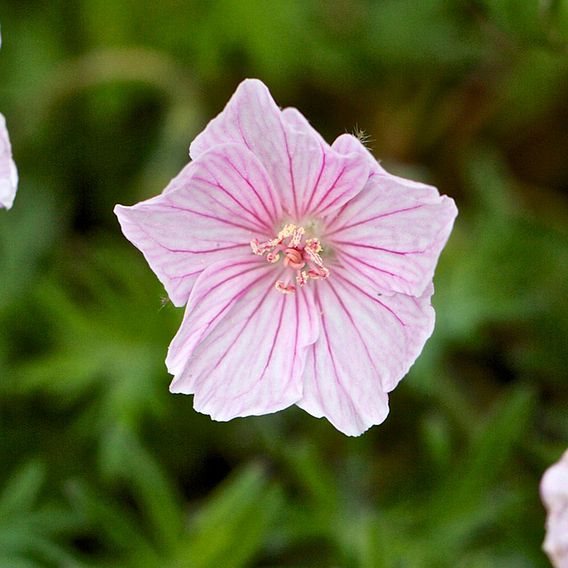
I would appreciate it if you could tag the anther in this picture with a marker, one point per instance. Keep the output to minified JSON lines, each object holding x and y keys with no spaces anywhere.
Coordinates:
{"x":301,"y":278}
{"x":273,"y":257}
{"x":284,"y":288}
{"x":299,"y":253}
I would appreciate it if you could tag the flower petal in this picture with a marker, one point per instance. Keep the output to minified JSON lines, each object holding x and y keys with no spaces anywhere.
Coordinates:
{"x":554,"y":493}
{"x":347,"y":144}
{"x":295,"y":119}
{"x":310,"y":177}
{"x":242,"y":345}
{"x":209,"y":212}
{"x":392,"y":233}
{"x":367,"y":343}
{"x":8,"y":171}
{"x":251,"y":117}
{"x":328,"y":180}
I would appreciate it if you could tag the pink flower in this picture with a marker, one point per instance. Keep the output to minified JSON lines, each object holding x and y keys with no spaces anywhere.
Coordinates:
{"x":554,"y":492}
{"x":306,"y":268}
{"x":8,"y":172}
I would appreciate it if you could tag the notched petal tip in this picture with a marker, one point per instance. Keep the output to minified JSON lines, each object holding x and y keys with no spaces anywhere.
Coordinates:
{"x":353,"y":426}
{"x":221,"y":410}
{"x":226,"y":410}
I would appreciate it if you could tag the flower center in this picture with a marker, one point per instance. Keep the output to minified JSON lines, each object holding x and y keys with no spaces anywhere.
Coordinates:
{"x":300,"y":254}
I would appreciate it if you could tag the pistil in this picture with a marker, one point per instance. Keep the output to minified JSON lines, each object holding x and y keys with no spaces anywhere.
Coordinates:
{"x":300,"y":254}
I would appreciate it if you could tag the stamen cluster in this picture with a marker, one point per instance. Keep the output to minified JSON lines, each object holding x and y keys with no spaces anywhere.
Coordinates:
{"x":300,"y":254}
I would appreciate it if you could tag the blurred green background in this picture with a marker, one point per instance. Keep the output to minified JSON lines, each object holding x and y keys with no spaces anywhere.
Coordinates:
{"x":101,"y":466}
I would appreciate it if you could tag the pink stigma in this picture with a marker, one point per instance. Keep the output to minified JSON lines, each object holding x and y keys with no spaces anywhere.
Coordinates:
{"x":300,"y":254}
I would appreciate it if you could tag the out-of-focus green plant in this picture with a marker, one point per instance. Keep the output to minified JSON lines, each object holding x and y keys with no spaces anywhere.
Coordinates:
{"x":102,"y":359}
{"x":31,"y":532}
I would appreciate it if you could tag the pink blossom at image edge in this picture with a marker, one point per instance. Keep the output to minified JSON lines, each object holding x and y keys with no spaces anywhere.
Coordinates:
{"x":8,"y":171}
{"x":306,"y":269}
{"x":554,"y":493}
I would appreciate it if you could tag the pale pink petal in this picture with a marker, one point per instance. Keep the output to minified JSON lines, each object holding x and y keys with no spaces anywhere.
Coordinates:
{"x":327,"y":180}
{"x":8,"y":171}
{"x":295,"y":119}
{"x":182,"y":178}
{"x":242,"y":346}
{"x":554,"y":492}
{"x":347,"y":144}
{"x":224,"y":283}
{"x":392,"y":233}
{"x":209,"y":212}
{"x":367,"y":343}
{"x":383,"y":199}
{"x":251,"y":117}
{"x":310,"y":177}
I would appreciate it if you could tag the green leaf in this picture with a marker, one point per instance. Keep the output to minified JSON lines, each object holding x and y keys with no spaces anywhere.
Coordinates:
{"x":22,"y":490}
{"x":112,"y":523}
{"x":232,"y":526}
{"x":155,"y":494}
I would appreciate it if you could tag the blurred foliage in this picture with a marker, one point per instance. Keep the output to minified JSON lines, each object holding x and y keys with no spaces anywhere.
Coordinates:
{"x":101,"y":466}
